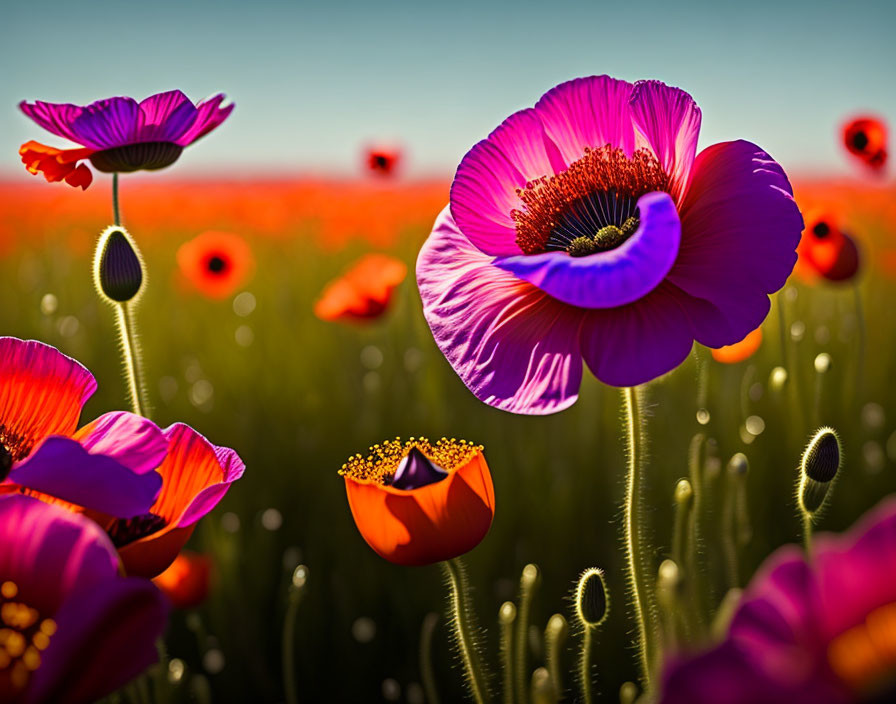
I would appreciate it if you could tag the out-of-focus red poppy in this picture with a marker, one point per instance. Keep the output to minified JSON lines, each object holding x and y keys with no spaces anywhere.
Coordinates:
{"x":216,"y":263}
{"x":382,"y":160}
{"x":825,"y":250}
{"x":364,"y":291}
{"x":187,"y":580}
{"x":739,"y":351}
{"x":866,"y":139}
{"x":417,"y":503}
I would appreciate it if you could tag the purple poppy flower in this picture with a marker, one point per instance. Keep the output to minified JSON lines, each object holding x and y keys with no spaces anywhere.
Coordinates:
{"x":807,"y":632}
{"x":118,"y":134}
{"x":72,"y":629}
{"x":588,"y":227}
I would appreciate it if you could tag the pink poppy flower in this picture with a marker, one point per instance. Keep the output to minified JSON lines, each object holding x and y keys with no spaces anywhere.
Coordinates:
{"x":118,"y":134}
{"x":73,"y":630}
{"x":589,"y":227}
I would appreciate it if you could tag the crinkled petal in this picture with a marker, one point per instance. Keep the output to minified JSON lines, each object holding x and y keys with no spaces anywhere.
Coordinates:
{"x":41,"y":393}
{"x":483,"y":193}
{"x":209,"y":115}
{"x":166,"y":117}
{"x":613,"y":278}
{"x":588,"y":112}
{"x":740,"y":228}
{"x":133,"y":441}
{"x":668,"y":120}
{"x":57,"y":164}
{"x":112,"y":122}
{"x":633,"y":344}
{"x":62,"y":468}
{"x":56,"y":118}
{"x":514,"y":346}
{"x":105,"y":636}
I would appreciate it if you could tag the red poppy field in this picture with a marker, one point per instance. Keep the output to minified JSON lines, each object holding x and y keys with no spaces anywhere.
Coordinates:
{"x":281,"y":318}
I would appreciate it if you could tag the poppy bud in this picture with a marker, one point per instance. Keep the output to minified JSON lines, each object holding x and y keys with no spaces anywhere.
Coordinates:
{"x":118,"y":268}
{"x":819,"y":467}
{"x":591,"y":598}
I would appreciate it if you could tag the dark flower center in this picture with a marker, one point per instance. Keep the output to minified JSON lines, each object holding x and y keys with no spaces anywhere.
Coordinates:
{"x":127,"y":530}
{"x":821,"y":230}
{"x":145,"y":156}
{"x":13,"y":447}
{"x":24,"y":635}
{"x":380,"y":161}
{"x":415,"y":470}
{"x":591,"y":206}
{"x":860,"y":140}
{"x":217,"y":264}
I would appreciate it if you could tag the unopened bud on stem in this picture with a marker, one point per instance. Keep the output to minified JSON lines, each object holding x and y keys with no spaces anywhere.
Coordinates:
{"x":117,"y":267}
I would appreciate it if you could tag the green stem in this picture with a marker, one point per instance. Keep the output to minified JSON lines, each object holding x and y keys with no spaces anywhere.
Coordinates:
{"x":528,"y":582}
{"x":115,"y":210}
{"x":426,"y":671}
{"x":506,"y":619}
{"x":289,"y":645}
{"x":585,"y":666}
{"x":463,"y":623}
{"x":729,"y":530}
{"x":697,"y":587}
{"x":638,"y":549}
{"x":132,"y":362}
{"x":807,"y":533}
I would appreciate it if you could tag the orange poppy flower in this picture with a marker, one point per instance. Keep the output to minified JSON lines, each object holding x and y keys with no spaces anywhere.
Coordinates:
{"x":382,"y":160}
{"x":866,"y":139}
{"x":825,"y":250}
{"x":364,"y":291}
{"x":739,"y":351}
{"x":187,"y":580}
{"x":195,"y":476}
{"x":57,"y":164}
{"x":416,"y":503}
{"x":215,"y":263}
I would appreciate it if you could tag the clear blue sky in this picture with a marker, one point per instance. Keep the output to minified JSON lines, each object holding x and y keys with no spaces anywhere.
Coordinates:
{"x":313,"y":81}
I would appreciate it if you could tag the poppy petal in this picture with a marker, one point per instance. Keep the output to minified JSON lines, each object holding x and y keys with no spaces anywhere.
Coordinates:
{"x":41,"y":393}
{"x":131,"y":440}
{"x":62,"y":468}
{"x":612,"y":278}
{"x":57,"y":164}
{"x":166,"y":117}
{"x":56,"y":118}
{"x":740,"y":229}
{"x":209,"y":114}
{"x":108,"y":123}
{"x":515,"y":347}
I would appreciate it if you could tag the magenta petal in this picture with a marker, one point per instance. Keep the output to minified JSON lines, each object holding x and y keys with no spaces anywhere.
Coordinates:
{"x":483,"y":193}
{"x":232,"y":467}
{"x":106,"y":636}
{"x":740,"y":229}
{"x":613,"y":278}
{"x":209,"y":115}
{"x":62,"y":468}
{"x":108,"y":123}
{"x":514,"y":347}
{"x":166,"y":117}
{"x":588,"y":112}
{"x":55,"y":117}
{"x":668,"y":120}
{"x":133,"y":441}
{"x":40,"y":539}
{"x":633,"y":344}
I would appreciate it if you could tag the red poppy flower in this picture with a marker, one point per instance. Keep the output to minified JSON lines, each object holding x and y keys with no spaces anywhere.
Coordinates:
{"x":216,"y":263}
{"x":382,"y":160}
{"x":364,"y":291}
{"x":416,"y":503}
{"x":739,"y":351}
{"x":825,"y":250}
{"x":186,"y":581}
{"x":866,"y":139}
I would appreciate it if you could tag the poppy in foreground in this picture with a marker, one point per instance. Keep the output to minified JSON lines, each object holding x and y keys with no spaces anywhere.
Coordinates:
{"x":588,"y":227}
{"x":417,"y":503}
{"x":186,"y":581}
{"x":866,"y":139}
{"x":807,"y":632}
{"x":216,"y":263}
{"x":739,"y":351}
{"x":118,"y":134}
{"x":73,"y":630}
{"x":364,"y":291}
{"x":382,"y":160}
{"x":826,"y":251}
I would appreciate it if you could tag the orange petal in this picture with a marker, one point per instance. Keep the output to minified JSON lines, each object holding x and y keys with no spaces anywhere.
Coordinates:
{"x":433,"y":523}
{"x":57,"y":164}
{"x":739,"y":351}
{"x":362,"y":292}
{"x":215,"y":263}
{"x":186,"y":581}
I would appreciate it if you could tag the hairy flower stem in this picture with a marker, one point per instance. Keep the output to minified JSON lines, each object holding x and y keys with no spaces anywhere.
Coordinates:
{"x":463,"y":624}
{"x":115,"y":211}
{"x":807,"y":533}
{"x":426,"y":671}
{"x":697,"y":588}
{"x":506,"y":619}
{"x":585,"y":665}
{"x":133,"y":364}
{"x":637,"y":545}
{"x":528,"y":584}
{"x":296,"y":592}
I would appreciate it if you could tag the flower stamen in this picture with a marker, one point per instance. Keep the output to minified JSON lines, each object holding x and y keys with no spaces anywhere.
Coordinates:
{"x":381,"y":465}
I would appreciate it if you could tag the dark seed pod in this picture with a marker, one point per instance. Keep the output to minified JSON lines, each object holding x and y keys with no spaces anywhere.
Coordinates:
{"x":591,"y":598}
{"x":118,"y":270}
{"x":819,"y":467}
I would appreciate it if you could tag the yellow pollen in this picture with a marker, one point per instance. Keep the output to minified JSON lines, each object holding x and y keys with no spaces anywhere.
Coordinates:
{"x":23,"y":635}
{"x":866,"y":654}
{"x":48,"y":626}
{"x":383,"y":459}
{"x":9,"y":590}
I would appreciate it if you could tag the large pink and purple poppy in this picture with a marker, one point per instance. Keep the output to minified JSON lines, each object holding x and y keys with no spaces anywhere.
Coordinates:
{"x":118,"y":134}
{"x":589,"y":227}
{"x":815,"y":632}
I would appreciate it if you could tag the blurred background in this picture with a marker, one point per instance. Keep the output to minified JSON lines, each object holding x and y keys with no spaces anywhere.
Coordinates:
{"x":251,"y":365}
